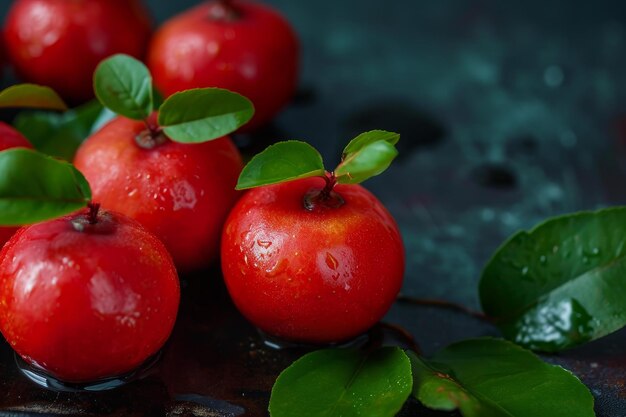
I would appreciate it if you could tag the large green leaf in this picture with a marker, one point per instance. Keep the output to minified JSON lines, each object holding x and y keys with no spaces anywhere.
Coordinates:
{"x":35,"y":187}
{"x":59,"y":134}
{"x":283,"y":161}
{"x":370,"y":160}
{"x":343,"y":383}
{"x":31,"y":96}
{"x":494,"y":378}
{"x":561,"y":284}
{"x":203,"y":114}
{"x":124,"y":85}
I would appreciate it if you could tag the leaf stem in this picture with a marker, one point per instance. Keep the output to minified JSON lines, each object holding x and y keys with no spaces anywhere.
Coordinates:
{"x":409,"y":340}
{"x":445,"y":304}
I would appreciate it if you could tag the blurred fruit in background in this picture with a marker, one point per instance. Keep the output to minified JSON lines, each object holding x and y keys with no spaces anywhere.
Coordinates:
{"x":59,"y":43}
{"x":243,"y":46}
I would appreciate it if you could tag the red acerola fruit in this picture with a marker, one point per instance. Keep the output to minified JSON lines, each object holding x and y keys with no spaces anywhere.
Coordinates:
{"x":320,"y":274}
{"x":242,"y":46}
{"x":88,"y":296}
{"x":180,"y":192}
{"x":59,"y":43}
{"x":10,"y":138}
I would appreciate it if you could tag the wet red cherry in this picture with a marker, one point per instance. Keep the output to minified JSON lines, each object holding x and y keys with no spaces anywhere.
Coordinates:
{"x":58,"y":43}
{"x":321,"y":275}
{"x":87,"y":298}
{"x":180,"y":192}
{"x":10,"y":138}
{"x":243,"y":46}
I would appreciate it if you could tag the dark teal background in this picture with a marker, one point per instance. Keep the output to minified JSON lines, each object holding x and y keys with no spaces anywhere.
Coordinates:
{"x":510,"y":112}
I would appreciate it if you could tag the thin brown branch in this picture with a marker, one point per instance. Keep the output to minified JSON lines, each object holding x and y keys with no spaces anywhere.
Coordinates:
{"x":444,"y":304}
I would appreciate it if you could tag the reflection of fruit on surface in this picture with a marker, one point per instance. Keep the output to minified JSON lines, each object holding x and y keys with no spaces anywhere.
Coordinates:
{"x":87,"y":298}
{"x":242,"y":46}
{"x":58,"y":43}
{"x":180,"y":192}
{"x":318,"y":276}
{"x":10,"y":138}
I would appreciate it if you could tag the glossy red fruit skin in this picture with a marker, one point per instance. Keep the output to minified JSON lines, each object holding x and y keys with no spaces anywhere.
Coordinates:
{"x":256,"y":55}
{"x":87,"y":305}
{"x":318,"y":276}
{"x":180,"y":192}
{"x":10,"y":138}
{"x":59,"y":43}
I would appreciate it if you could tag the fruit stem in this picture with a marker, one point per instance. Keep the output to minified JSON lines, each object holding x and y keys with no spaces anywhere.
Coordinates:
{"x":331,"y":181}
{"x":327,"y":197}
{"x":224,"y":10}
{"x":151,"y":137}
{"x":94,"y":208}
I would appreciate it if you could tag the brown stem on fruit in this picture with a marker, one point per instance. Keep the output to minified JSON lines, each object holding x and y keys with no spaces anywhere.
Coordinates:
{"x":447,"y":305}
{"x":327,"y":197}
{"x":224,"y":10}
{"x":151,"y":137}
{"x":92,"y":216}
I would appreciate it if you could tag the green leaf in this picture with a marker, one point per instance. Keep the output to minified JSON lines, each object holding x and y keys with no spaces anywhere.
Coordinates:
{"x":203,"y":114}
{"x":31,"y":96}
{"x":368,"y":138}
{"x":562,"y":283}
{"x":35,"y":187}
{"x":59,"y":134}
{"x":124,"y":85}
{"x":283,"y":161}
{"x":494,"y":378}
{"x":343,"y":383}
{"x":366,"y":162}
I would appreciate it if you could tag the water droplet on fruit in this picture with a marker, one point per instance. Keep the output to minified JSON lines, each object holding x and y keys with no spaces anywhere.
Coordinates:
{"x":183,"y":195}
{"x":132,"y":192}
{"x":278,"y":268}
{"x":525,"y":270}
{"x":543,"y":259}
{"x":331,"y":262}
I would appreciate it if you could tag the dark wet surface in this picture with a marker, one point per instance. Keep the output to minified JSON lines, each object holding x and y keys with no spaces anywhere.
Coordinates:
{"x":509,"y":113}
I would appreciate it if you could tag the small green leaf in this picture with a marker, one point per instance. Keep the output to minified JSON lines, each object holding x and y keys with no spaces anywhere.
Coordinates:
{"x":283,"y":161}
{"x":35,"y":187}
{"x":124,"y":85}
{"x":31,"y":96}
{"x":203,"y":114}
{"x":343,"y":383}
{"x":59,"y":134}
{"x":494,"y":378}
{"x":562,"y":283}
{"x":366,"y":162}
{"x":367,"y":138}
